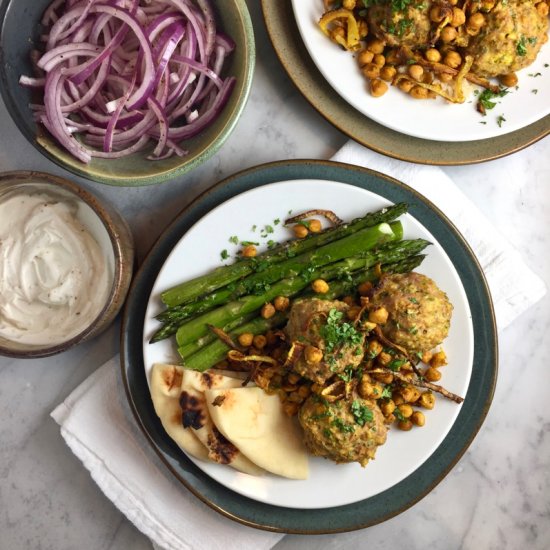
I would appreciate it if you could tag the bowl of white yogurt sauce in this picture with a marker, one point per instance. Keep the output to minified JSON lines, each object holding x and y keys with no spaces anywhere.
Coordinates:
{"x":66,"y":263}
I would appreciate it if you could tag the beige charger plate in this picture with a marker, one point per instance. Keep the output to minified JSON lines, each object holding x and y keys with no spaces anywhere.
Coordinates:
{"x":286,"y":39}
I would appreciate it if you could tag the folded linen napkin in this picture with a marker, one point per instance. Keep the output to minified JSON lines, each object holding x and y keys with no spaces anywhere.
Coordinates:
{"x":98,"y":426}
{"x":502,"y":264}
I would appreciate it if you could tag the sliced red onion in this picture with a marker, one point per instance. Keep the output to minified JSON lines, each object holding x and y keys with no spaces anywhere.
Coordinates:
{"x":120,"y":73}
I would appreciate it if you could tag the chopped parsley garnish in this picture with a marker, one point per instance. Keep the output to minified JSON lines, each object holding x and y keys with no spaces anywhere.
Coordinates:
{"x":413,"y":300}
{"x":535,"y":91}
{"x":386,"y":392}
{"x":485,"y":98}
{"x":254,"y":227}
{"x":500,"y":120}
{"x":342,"y":426}
{"x":271,"y":244}
{"x":276,"y":221}
{"x":534,"y":75}
{"x":347,"y":375}
{"x":224,"y":254}
{"x":396,"y":364}
{"x":361,"y":413}
{"x":399,"y":415}
{"x":521,"y":47}
{"x":268,"y":229}
{"x":234,"y":239}
{"x":337,"y":333}
{"x":248,"y":243}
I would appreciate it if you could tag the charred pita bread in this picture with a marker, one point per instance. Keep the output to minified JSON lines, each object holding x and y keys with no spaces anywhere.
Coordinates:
{"x":256,"y":423}
{"x":178,"y":398}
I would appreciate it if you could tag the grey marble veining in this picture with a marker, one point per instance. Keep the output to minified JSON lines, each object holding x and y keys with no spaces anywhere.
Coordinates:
{"x":498,"y":495}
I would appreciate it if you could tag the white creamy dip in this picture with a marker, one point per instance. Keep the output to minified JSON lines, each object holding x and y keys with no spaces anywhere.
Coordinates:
{"x":54,"y":279}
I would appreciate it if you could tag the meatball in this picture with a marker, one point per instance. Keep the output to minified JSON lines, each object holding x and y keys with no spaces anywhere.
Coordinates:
{"x":419,"y":312}
{"x":349,"y":430}
{"x":322,"y":324}
{"x":510,"y":40}
{"x":409,"y":26}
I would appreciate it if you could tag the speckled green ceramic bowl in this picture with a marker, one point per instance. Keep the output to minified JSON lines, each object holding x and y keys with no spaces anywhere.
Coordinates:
{"x":20,"y":29}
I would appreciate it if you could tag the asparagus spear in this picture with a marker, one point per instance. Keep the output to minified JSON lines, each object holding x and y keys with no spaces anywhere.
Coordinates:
{"x":205,"y":284}
{"x":220,"y":317}
{"x":259,"y":282}
{"x":211,"y":354}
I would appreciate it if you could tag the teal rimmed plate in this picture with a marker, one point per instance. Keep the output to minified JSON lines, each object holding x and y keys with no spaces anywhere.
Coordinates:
{"x":396,"y":498}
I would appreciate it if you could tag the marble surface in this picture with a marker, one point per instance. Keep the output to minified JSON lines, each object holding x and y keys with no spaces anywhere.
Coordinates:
{"x":497,"y":497}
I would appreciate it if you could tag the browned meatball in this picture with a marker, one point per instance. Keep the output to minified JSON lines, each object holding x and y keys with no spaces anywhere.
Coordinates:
{"x":401,"y":26}
{"x":510,"y":40}
{"x":323,"y":325}
{"x":419,"y":312}
{"x":349,"y":430}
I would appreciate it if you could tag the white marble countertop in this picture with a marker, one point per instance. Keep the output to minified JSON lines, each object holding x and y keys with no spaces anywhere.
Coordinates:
{"x":498,"y":496}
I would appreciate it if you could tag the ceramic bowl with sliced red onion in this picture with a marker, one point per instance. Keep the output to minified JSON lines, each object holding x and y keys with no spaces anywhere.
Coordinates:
{"x":126,"y":92}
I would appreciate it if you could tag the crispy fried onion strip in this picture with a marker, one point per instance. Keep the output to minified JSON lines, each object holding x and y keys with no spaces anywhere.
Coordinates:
{"x":335,"y":391}
{"x":346,"y":19}
{"x":239,"y":357}
{"x":294,"y":353}
{"x":416,"y":381}
{"x":328,"y":214}
{"x":224,"y":337}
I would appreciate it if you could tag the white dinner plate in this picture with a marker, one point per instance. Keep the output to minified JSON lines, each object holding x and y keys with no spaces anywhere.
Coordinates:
{"x":328,"y":484}
{"x":437,"y":119}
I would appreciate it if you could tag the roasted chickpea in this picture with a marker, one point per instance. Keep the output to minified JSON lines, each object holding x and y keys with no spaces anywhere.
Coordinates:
{"x":452,"y":59}
{"x":290,"y":408}
{"x":371,"y":70}
{"x":292,"y":377}
{"x":379,"y":60}
{"x":313,"y":355}
{"x":245,"y":339}
{"x":353,"y":312}
{"x":388,"y":72}
{"x":427,"y":356}
{"x":364,"y":288}
{"x":374,"y":348}
{"x":448,"y":34}
{"x":405,"y":409}
{"x":267,"y":311}
{"x":408,"y":394}
{"x":392,"y":57}
{"x":436,"y":14}
{"x":366,"y":389}
{"x":418,"y":92}
{"x":375,"y":45}
{"x":249,"y":251}
{"x":348,"y":300}
{"x":387,"y":407}
{"x":349,"y":4}
{"x":445,"y":77}
{"x":418,"y":418}
{"x":363,"y":28}
{"x":416,"y":71}
{"x":439,"y":359}
{"x":432,"y":375}
{"x":459,"y":17}
{"x":378,"y":315}
{"x":384,"y":377}
{"x":300,"y":231}
{"x":476,"y":21}
{"x":397,"y":399}
{"x":384,"y":358}
{"x":427,"y":400}
{"x":304,"y":391}
{"x":509,"y":80}
{"x":281,"y":303}
{"x":542,"y":9}
{"x":364,"y":58}
{"x":320,"y":286}
{"x":259,"y":341}
{"x":315,"y":226}
{"x":405,"y":425}
{"x":378,"y":87}
{"x":405,"y":85}
{"x":433,"y":55}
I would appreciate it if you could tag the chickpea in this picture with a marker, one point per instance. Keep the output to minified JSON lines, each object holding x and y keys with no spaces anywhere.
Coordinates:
{"x":417,"y":92}
{"x":313,"y":355}
{"x":315,"y":226}
{"x":365,"y":389}
{"x":388,"y":72}
{"x":448,"y":34}
{"x":320,"y":286}
{"x":445,"y":77}
{"x":371,"y":70}
{"x":267,"y":311}
{"x":390,"y":419}
{"x":375,"y":45}
{"x":363,"y":28}
{"x":348,"y":300}
{"x":378,"y":315}
{"x":259,"y":341}
{"x":418,"y":418}
{"x":364,"y":58}
{"x":364,"y":288}
{"x":397,"y":399}
{"x":249,"y":251}
{"x":405,"y":425}
{"x":353,"y":312}
{"x":349,"y":4}
{"x":439,"y":359}
{"x":405,"y":409}
{"x":459,"y":17}
{"x":300,"y":231}
{"x":408,"y":394}
{"x":387,"y":407}
{"x":281,"y":303}
{"x":432,"y":375}
{"x":433,"y":55}
{"x":384,"y":377}
{"x":509,"y":80}
{"x":427,"y":400}
{"x":245,"y":339}
{"x":304,"y":391}
{"x":416,"y":72}
{"x":542,"y":9}
{"x":476,"y":21}
{"x":405,"y":85}
{"x":291,"y":408}
{"x":427,"y":356}
{"x":379,"y":60}
{"x":384,"y":358}
{"x":378,"y":87}
{"x":452,"y":59}
{"x":436,"y":14}
{"x":374,"y":348}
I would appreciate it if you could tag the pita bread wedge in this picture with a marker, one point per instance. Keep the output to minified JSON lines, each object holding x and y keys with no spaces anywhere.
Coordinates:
{"x":197,"y":417}
{"x":255,"y":423}
{"x":165,"y":393}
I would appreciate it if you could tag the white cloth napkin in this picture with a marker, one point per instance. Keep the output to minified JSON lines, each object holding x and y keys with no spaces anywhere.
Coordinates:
{"x":98,"y":426}
{"x":502,"y":264}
